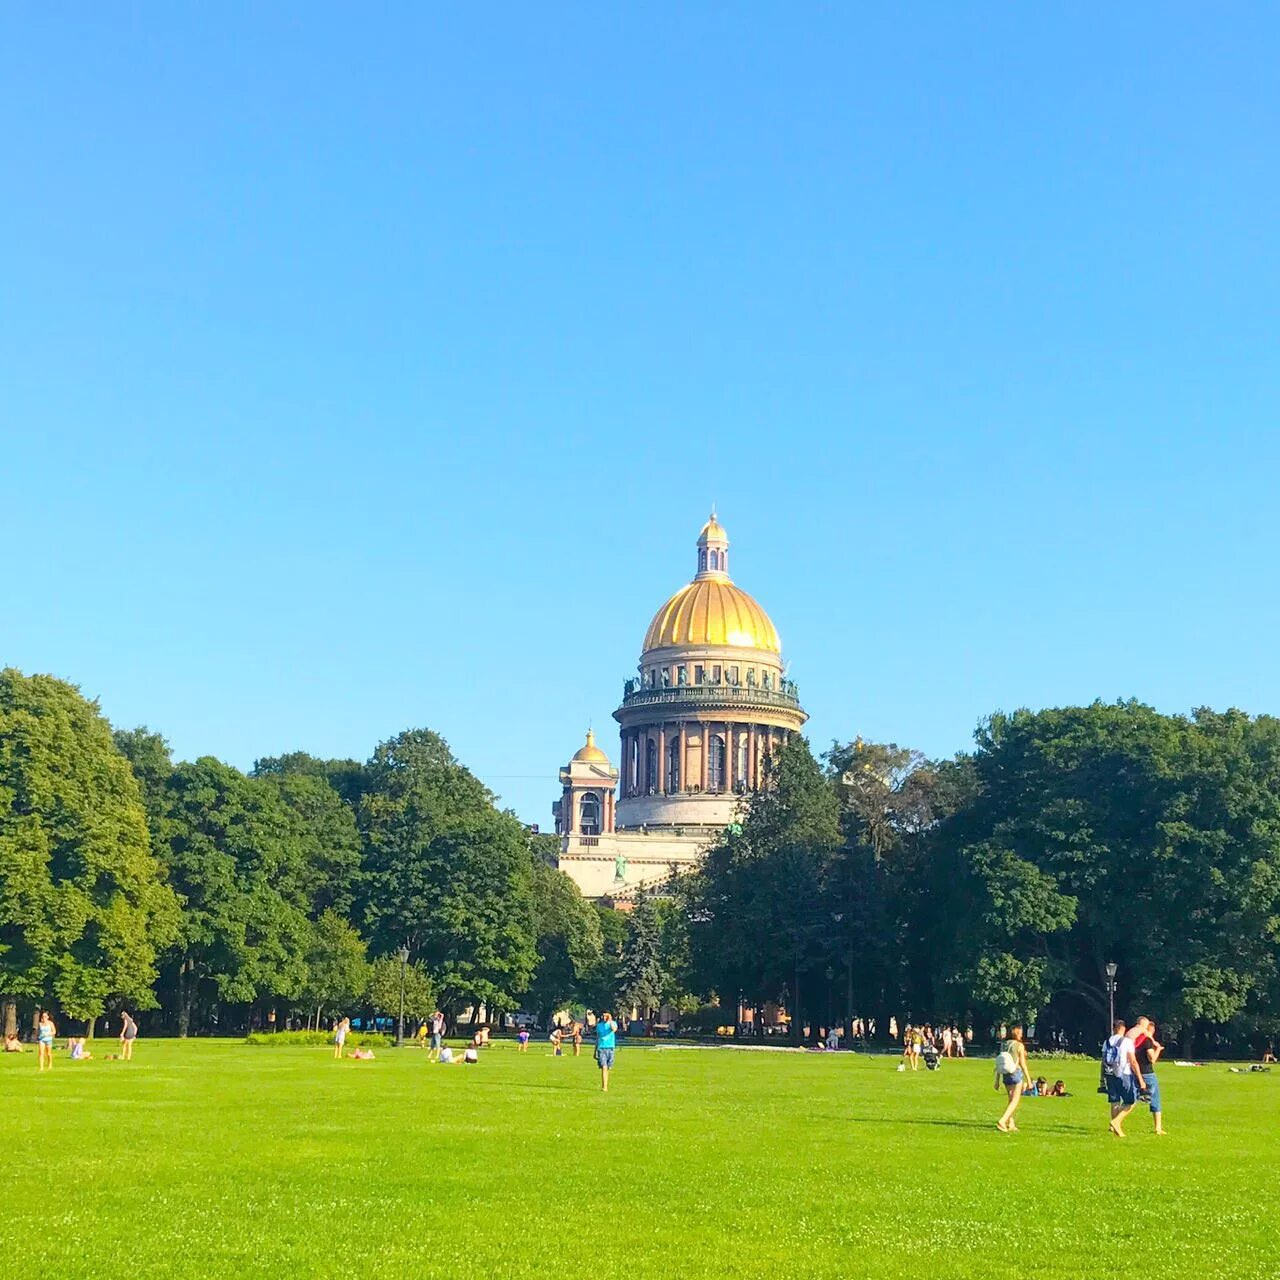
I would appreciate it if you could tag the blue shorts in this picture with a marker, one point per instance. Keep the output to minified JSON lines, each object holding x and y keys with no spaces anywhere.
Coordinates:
{"x":436,"y":1040}
{"x":604,"y":1058}
{"x":1011,"y":1078}
{"x":1122,"y":1091}
{"x":1153,"y":1087}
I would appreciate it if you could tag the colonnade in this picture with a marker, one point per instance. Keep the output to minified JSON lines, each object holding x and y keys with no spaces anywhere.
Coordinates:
{"x":658,"y":759}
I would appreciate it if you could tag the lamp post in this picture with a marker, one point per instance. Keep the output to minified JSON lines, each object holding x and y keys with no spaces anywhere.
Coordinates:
{"x":404,"y":960}
{"x":1111,"y":996}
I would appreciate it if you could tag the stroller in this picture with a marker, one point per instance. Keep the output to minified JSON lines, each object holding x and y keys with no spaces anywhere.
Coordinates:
{"x":930,"y":1055}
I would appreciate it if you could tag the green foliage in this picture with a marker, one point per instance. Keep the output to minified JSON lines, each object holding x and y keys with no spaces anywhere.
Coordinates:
{"x":383,"y":990}
{"x":337,"y":971}
{"x":447,"y":874}
{"x":83,"y":908}
{"x":236,"y":854}
{"x":641,"y":980}
{"x":568,"y":942}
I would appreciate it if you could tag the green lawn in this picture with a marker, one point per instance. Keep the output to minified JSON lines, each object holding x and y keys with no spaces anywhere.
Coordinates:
{"x":210,"y":1158}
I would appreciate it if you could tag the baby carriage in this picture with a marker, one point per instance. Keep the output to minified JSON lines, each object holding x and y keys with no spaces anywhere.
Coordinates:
{"x":930,"y":1055}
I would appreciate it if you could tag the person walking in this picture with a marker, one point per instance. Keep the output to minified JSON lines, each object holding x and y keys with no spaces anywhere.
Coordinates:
{"x":340,"y":1036}
{"x":606,"y":1041}
{"x":437,"y":1034}
{"x":1122,"y":1074}
{"x":1147,"y":1051}
{"x":1013,"y":1073}
{"x":128,"y":1034}
{"x":45,"y":1032}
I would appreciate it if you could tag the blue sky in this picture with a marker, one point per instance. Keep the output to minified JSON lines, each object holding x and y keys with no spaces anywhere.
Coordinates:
{"x":367,"y":371}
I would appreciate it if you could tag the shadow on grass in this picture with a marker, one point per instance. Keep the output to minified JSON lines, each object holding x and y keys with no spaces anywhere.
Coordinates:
{"x":990,"y":1125}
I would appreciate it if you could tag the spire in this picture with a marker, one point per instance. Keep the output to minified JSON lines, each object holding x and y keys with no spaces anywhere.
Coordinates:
{"x":713,"y":549}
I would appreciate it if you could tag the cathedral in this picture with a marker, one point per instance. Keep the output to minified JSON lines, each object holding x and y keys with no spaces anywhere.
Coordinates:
{"x":709,"y":703}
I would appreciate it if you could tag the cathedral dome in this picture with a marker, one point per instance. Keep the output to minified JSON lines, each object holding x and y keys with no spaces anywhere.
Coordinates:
{"x":590,"y":753}
{"x":711,"y":610}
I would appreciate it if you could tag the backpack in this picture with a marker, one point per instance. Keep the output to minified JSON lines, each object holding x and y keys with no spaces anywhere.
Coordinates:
{"x":1006,"y":1063}
{"x":1111,"y":1058}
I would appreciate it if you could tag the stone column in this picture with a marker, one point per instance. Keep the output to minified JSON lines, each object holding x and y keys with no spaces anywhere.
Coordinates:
{"x":706,"y":755}
{"x":662,"y":760}
{"x":753,"y":763}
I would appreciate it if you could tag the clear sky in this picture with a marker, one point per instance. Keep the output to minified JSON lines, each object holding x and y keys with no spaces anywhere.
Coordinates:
{"x":369,"y":368}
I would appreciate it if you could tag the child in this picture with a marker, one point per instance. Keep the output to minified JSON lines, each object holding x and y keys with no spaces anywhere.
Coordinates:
{"x":522,"y":1039}
{"x":556,"y":1036}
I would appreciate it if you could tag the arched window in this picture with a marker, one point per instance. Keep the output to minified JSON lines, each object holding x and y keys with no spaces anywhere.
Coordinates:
{"x":589,"y":814}
{"x":673,"y":765}
{"x":715,"y":764}
{"x":650,"y":766}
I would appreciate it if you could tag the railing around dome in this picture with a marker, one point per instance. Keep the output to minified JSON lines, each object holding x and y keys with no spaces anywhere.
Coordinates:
{"x":635,"y":694}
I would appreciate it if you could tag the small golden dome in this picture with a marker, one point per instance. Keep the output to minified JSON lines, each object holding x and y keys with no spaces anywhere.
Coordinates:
{"x":713,"y":531}
{"x":590,"y":753}
{"x":712,"y":611}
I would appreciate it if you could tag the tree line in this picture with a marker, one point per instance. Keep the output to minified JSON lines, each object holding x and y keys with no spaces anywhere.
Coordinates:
{"x":999,"y":885}
{"x":218,"y":901}
{"x":873,"y":884}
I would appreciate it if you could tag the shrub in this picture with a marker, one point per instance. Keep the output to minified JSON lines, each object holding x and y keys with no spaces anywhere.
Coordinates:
{"x":285,"y":1039}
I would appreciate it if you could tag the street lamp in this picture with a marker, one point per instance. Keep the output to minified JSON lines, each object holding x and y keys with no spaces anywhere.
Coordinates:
{"x":1111,"y":996}
{"x":404,"y":960}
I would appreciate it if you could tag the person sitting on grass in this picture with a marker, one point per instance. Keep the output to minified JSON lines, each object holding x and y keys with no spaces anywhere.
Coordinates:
{"x":76,"y":1048}
{"x":446,"y":1056}
{"x":12,"y":1044}
{"x":471,"y":1056}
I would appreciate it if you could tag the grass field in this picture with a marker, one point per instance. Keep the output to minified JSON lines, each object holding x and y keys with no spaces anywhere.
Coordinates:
{"x":210,"y":1158}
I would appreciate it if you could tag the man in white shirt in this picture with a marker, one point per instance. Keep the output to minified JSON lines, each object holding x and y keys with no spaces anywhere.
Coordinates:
{"x":1123,"y":1076}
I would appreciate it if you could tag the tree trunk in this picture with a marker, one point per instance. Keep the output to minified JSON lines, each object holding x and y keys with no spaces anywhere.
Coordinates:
{"x":797,"y":1023}
{"x":92,"y":1022}
{"x":184,"y":1000}
{"x":10,"y":1016}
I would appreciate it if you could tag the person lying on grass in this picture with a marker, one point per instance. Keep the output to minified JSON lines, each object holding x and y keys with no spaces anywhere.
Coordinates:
{"x":361,"y":1055}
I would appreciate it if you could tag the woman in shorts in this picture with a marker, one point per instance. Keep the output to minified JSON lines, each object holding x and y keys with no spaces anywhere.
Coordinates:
{"x":45,"y":1032}
{"x":340,"y":1036}
{"x":1012,"y":1072}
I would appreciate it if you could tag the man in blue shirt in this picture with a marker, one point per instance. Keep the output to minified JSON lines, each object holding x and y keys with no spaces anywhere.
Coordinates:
{"x":606,"y":1039}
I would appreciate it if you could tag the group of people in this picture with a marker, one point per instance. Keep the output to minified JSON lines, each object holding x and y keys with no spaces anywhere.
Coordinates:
{"x":77,"y":1046}
{"x":927,"y":1044}
{"x":1129,"y":1076}
{"x":433,"y":1029}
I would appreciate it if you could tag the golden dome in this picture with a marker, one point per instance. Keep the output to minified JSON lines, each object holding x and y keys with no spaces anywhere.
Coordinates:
{"x":712,"y":611}
{"x":590,"y":753}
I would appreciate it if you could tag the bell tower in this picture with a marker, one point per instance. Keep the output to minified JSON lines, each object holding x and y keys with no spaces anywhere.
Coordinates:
{"x":586,"y":805}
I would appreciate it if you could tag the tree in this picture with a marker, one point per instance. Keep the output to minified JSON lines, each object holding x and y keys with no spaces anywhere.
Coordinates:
{"x":337,"y":971}
{"x":758,"y":912}
{"x":568,"y":942}
{"x":641,"y":979}
{"x":329,"y":868}
{"x":83,"y":906}
{"x":236,"y":854}
{"x":447,"y":874}
{"x":384,"y":989}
